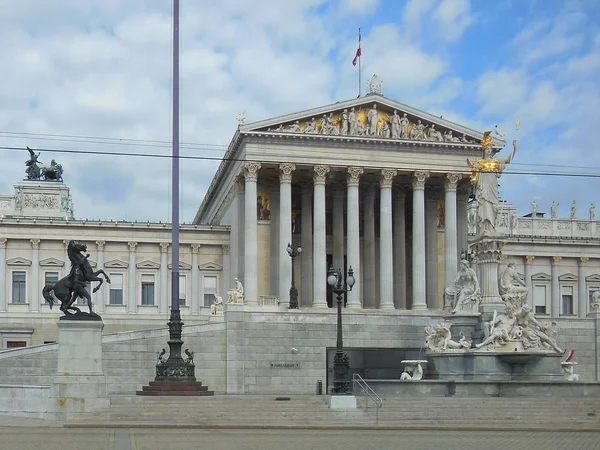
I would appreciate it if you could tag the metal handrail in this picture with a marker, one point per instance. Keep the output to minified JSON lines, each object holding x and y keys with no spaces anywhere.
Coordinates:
{"x":357,"y":379}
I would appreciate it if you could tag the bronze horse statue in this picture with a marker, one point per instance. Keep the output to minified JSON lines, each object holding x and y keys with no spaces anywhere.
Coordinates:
{"x":69,"y":288}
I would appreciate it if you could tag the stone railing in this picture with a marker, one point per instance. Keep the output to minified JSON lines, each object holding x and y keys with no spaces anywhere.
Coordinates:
{"x":565,"y":228}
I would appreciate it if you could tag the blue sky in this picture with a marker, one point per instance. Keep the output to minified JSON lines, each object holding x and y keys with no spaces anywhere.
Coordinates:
{"x":101,"y":69}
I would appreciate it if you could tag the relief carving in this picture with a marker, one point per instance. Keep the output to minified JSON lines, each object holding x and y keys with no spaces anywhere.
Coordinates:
{"x":40,"y":201}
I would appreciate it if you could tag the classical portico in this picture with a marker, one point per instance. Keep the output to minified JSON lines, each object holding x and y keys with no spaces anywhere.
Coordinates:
{"x":353,"y":191}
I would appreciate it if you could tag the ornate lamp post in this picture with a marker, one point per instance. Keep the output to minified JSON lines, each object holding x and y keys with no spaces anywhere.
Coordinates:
{"x":293,"y":291}
{"x":341,"y":362}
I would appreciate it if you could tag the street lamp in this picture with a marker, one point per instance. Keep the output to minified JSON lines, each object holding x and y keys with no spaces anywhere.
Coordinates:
{"x":341,"y":362}
{"x":293,"y":291}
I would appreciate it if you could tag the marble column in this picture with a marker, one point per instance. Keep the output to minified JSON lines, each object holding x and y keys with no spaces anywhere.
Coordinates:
{"x":306,"y":257}
{"x":399,"y":248}
{"x":131,"y":276}
{"x":319,"y":239}
{"x":237,"y":238}
{"x":554,"y":287}
{"x":369,"y":248}
{"x":3,"y":281}
{"x":194,"y":304}
{"x":163,"y":302}
{"x":431,"y":247}
{"x":353,"y":240}
{"x":285,"y":231}
{"x":338,"y":232}
{"x":226,"y":275}
{"x":101,"y":298}
{"x":582,"y":301}
{"x":529,"y":299}
{"x":462,"y":197}
{"x":35,"y":293}
{"x":250,"y":237}
{"x":274,"y":242}
{"x":450,"y":229}
{"x":419,"y":281}
{"x":386,"y":241}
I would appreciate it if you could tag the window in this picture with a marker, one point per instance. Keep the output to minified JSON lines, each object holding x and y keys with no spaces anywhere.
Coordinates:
{"x":566,"y":293}
{"x":16,"y":344}
{"x":147,"y":289}
{"x":18,"y":287}
{"x":116,"y":289}
{"x":182,"y":290}
{"x":210,"y":290}
{"x":50,"y":277}
{"x":539,"y":298}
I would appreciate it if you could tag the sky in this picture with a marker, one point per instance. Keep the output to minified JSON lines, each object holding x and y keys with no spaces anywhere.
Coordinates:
{"x":95,"y":76}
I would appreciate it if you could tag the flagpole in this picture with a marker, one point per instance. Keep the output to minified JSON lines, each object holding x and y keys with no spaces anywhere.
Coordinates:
{"x":359,"y":58}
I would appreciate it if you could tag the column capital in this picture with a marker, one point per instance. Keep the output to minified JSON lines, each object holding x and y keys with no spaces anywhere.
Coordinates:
{"x":419,"y":179}
{"x":387,"y":177}
{"x":251,"y":171}
{"x":226,"y":249}
{"x":529,"y":259}
{"x":451,"y":181}
{"x":3,"y":242}
{"x":583,"y":260}
{"x":285,"y":172}
{"x":100,"y":245}
{"x":353,"y":175}
{"x":320,"y":174}
{"x":132,"y":245}
{"x":35,"y":243}
{"x":555,"y":260}
{"x":164,"y":246}
{"x":195,"y":248}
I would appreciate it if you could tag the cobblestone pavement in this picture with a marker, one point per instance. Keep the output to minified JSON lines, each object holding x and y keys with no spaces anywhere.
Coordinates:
{"x":12,"y":438}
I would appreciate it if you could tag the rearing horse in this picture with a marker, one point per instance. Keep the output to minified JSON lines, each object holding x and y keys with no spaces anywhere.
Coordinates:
{"x":72,"y":286}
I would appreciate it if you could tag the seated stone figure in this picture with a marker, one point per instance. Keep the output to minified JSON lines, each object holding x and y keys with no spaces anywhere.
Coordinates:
{"x":439,"y":338}
{"x":464,"y":294}
{"x":217,"y":306}
{"x":236,"y":295}
{"x":512,"y":288}
{"x":595,"y":305}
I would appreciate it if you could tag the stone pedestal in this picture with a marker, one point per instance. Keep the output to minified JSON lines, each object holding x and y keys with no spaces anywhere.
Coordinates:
{"x":341,"y":401}
{"x":462,"y":323}
{"x":488,"y":250}
{"x":79,"y":385}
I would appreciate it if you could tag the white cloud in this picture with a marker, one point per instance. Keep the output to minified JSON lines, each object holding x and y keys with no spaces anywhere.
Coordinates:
{"x":452,"y":18}
{"x":359,"y":6}
{"x":501,"y":91}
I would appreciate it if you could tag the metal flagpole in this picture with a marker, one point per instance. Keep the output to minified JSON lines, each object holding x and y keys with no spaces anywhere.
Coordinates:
{"x":359,"y":58}
{"x":175,"y":165}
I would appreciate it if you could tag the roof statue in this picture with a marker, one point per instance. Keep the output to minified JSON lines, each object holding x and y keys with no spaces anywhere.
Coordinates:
{"x":34,"y":172}
{"x":375,"y":86}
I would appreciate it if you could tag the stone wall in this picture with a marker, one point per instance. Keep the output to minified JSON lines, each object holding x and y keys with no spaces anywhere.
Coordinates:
{"x":580,"y":335}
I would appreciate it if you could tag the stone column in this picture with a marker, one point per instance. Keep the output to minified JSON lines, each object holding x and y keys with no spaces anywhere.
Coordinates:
{"x":338,"y":232}
{"x":226,"y":275}
{"x":306,"y":257}
{"x":194,"y":304}
{"x":353,"y":241}
{"x":237,"y":240}
{"x":529,"y":299}
{"x":319,"y":239}
{"x":488,"y":252}
{"x":3,"y":281}
{"x":285,"y":232}
{"x":386,"y":241}
{"x":462,"y":228}
{"x":582,"y":304}
{"x":250,"y":237}
{"x":35,"y":293}
{"x":399,"y":248}
{"x":369,"y":248}
{"x":419,"y":282}
{"x":431,"y":247}
{"x":163,"y":302}
{"x":101,"y":298}
{"x":554,"y":287}
{"x":274,"y":242}
{"x":132,"y":285}
{"x":450,"y":229}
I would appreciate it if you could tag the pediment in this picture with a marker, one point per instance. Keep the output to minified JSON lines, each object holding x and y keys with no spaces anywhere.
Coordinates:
{"x":210,"y":266}
{"x":336,"y":121}
{"x":148,"y":265}
{"x":541,"y":277}
{"x":595,"y":278}
{"x":116,"y":264}
{"x":182,"y":266}
{"x":52,"y":262}
{"x":18,"y":261}
{"x":568,"y":277}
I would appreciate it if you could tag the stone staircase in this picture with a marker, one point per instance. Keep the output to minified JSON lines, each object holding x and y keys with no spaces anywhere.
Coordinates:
{"x":258,"y":411}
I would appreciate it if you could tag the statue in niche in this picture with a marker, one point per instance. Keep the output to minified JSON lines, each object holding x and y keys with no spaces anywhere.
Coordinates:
{"x":512,"y":288}
{"x":485,"y":174}
{"x":439,"y":338}
{"x":345,"y":126}
{"x":263,"y":207}
{"x":554,"y":210}
{"x":311,"y":126}
{"x":592,"y":212}
{"x":353,"y":123}
{"x":372,"y":121}
{"x":404,"y":127}
{"x":573,"y":209}
{"x":395,"y":121}
{"x":465,"y":294}
{"x":236,"y":295}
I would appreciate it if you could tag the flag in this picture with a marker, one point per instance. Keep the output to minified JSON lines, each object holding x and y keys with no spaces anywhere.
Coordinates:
{"x":358,"y":52}
{"x":518,"y":124}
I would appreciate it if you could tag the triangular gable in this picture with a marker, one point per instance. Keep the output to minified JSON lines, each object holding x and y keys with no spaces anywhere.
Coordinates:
{"x":148,"y":265}
{"x":116,"y":264}
{"x":568,"y":277}
{"x":182,"y":266}
{"x":18,"y":261}
{"x":541,"y":277}
{"x":595,"y":278}
{"x":210,"y":267}
{"x":51,"y":262}
{"x":310,"y":123}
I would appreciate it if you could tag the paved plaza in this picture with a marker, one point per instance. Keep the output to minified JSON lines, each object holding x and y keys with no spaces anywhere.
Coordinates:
{"x":57,"y":438}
